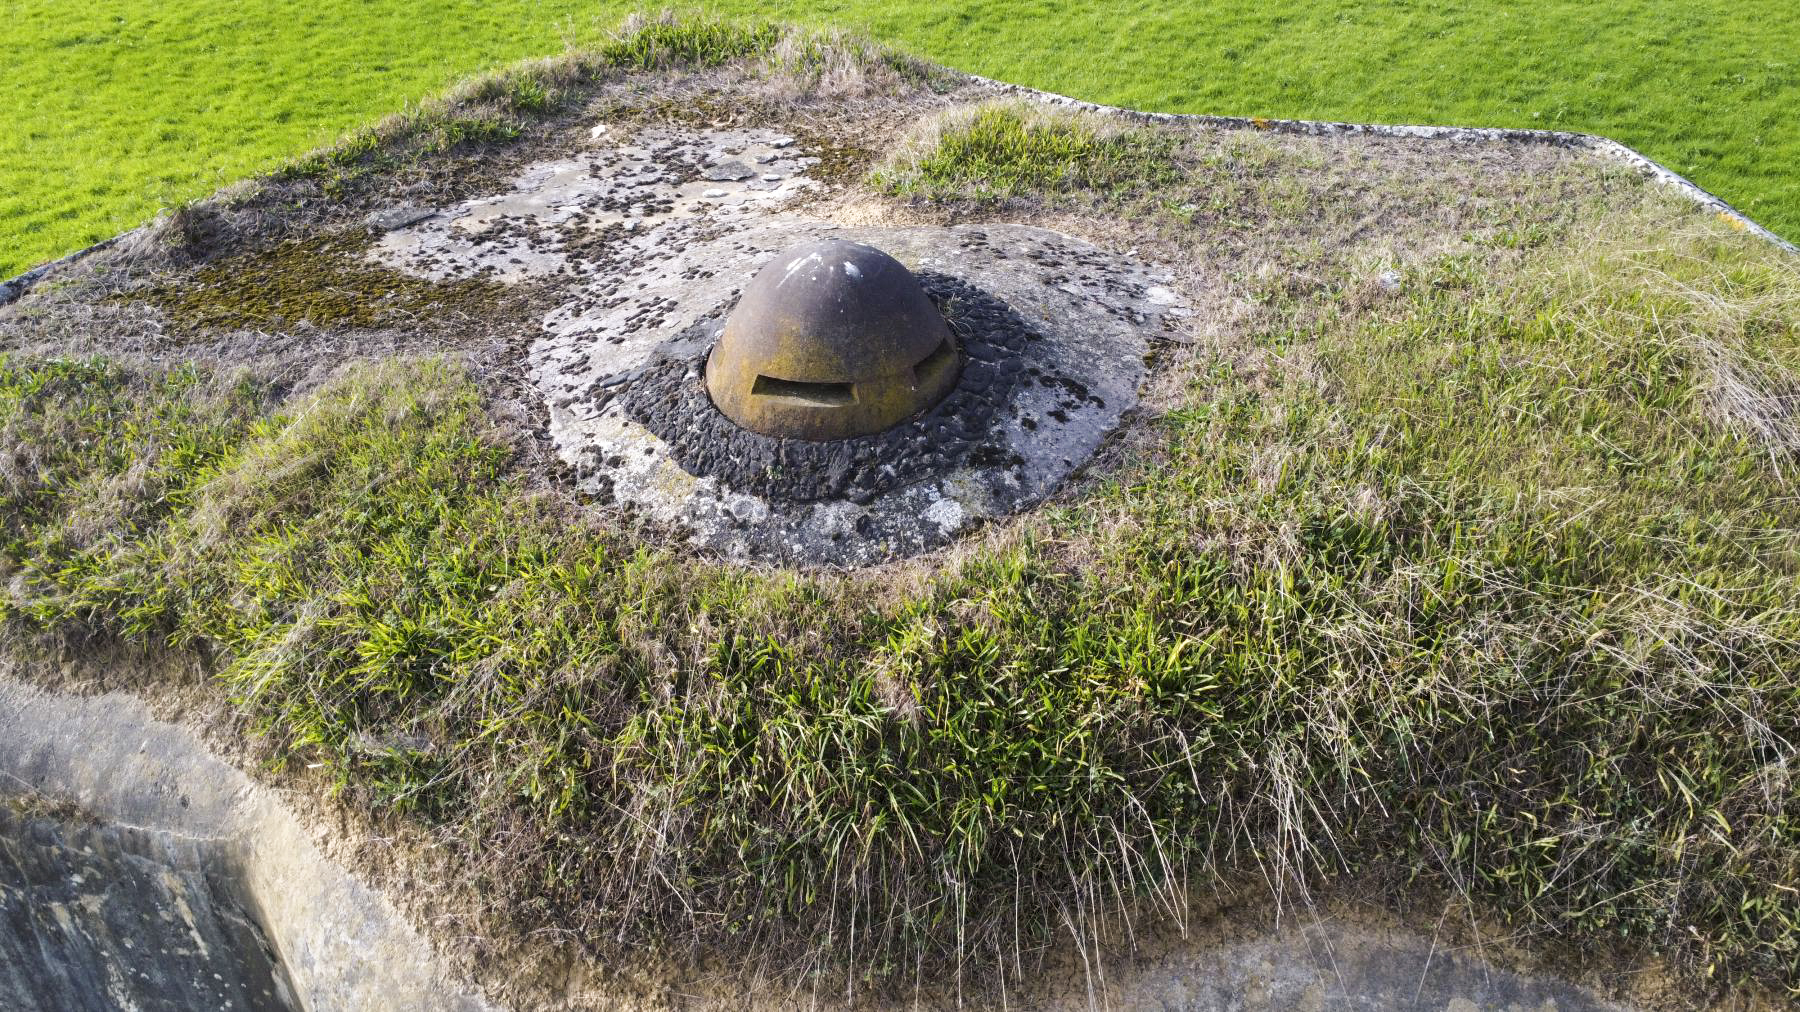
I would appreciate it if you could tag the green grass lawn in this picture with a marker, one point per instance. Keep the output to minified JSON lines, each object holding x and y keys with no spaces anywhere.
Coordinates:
{"x":124,"y":107}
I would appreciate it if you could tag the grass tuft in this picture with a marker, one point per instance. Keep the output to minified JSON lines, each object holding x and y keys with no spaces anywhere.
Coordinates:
{"x":666,"y":41}
{"x":1008,"y":149}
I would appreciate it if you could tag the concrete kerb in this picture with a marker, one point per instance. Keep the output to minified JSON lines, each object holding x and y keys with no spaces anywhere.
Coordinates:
{"x":14,"y":289}
{"x":1604,"y":147}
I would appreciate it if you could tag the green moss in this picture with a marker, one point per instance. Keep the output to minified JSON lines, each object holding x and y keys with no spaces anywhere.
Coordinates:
{"x":325,"y":281}
{"x":838,"y":162}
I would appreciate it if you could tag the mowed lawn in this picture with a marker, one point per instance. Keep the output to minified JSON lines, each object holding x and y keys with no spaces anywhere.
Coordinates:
{"x":115,"y":109}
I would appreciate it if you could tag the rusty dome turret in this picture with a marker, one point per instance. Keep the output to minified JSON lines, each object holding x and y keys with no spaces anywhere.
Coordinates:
{"x":832,"y":339}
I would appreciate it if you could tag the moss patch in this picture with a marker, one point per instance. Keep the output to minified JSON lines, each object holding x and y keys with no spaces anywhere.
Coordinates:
{"x":323,"y":281}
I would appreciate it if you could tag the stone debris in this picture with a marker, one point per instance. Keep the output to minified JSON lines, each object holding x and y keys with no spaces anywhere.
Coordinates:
{"x":732,"y":171}
{"x":398,"y":217}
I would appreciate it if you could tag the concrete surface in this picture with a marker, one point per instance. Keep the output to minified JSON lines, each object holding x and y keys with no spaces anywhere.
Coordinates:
{"x":95,"y":916}
{"x":343,"y":946}
{"x":653,"y":234}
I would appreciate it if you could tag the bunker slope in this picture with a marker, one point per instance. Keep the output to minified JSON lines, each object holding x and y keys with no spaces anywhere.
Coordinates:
{"x":1251,"y":626}
{"x":174,"y":824}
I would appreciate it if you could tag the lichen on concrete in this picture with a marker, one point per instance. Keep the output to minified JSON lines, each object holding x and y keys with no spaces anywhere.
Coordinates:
{"x":605,"y":205}
{"x":652,"y":237}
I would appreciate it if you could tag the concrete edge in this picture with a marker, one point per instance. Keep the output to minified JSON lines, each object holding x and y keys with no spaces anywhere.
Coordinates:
{"x":342,"y":941}
{"x":1604,"y":147}
{"x":13,"y":289}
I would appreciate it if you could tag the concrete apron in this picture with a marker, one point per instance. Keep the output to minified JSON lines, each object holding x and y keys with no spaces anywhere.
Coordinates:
{"x":335,"y":944}
{"x":645,"y":236}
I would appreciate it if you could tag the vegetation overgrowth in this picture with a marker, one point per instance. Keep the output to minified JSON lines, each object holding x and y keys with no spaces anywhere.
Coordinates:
{"x":1005,"y":149}
{"x":120,"y":109}
{"x":1487,"y":585}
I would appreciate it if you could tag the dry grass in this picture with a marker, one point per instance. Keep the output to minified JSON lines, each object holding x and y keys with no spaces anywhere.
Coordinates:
{"x":1737,"y":321}
{"x":1463,"y":561}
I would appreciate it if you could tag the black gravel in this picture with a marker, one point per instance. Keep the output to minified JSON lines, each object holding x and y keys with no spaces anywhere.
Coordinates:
{"x":669,"y":398}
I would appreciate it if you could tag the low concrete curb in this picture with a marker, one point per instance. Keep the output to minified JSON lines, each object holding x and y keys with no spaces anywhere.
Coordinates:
{"x":14,"y":289}
{"x":1604,"y":147}
{"x":342,"y":944}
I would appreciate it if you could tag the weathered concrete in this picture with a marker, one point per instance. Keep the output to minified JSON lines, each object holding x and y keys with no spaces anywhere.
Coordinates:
{"x":342,"y":945}
{"x":104,"y":917}
{"x":614,"y":204}
{"x":656,"y":236}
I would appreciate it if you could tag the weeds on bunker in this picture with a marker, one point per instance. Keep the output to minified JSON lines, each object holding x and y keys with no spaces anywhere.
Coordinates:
{"x":1255,"y":201}
{"x":1498,"y":597}
{"x":499,"y":108}
{"x":1007,"y":149}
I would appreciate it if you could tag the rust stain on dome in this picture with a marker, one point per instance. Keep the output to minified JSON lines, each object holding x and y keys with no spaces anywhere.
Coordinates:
{"x":831,"y":340}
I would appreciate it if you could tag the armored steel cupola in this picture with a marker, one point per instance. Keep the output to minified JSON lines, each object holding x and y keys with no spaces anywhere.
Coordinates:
{"x":831,"y":340}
